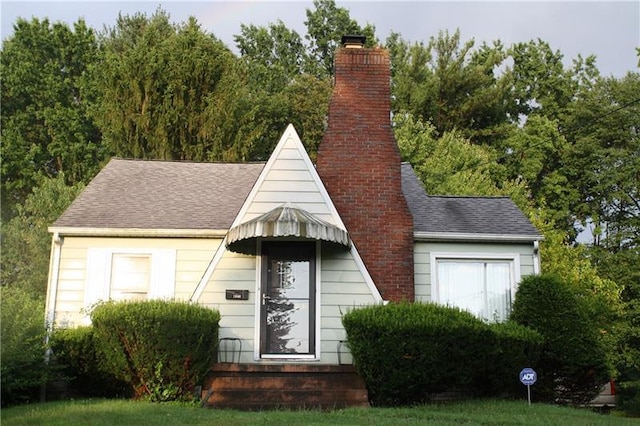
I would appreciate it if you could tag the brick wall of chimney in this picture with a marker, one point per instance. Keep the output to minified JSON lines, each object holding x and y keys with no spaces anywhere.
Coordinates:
{"x":359,"y":162}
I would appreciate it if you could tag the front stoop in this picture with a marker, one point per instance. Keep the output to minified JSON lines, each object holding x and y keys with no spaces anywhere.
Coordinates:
{"x":261,"y":387}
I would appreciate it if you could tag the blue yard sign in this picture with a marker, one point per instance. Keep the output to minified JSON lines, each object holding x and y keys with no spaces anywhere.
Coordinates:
{"x":528,"y":377}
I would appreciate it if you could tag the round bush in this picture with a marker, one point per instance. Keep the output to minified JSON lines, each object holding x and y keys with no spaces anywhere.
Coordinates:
{"x":573,"y":364}
{"x":162,"y":349}
{"x":516,"y":347}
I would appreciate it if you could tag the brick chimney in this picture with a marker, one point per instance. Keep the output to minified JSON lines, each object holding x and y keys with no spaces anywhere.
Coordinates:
{"x":359,"y":162}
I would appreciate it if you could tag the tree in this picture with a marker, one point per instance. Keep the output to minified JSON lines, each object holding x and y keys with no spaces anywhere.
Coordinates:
{"x":325,"y":27}
{"x":163,"y":88}
{"x":604,"y":162}
{"x":536,"y":153}
{"x":542,"y":85}
{"x":26,"y":241}
{"x":304,"y":102}
{"x":558,"y":256}
{"x":46,"y":128}
{"x":275,"y":54}
{"x":283,"y":88}
{"x":604,"y":167}
{"x":452,"y":85}
{"x":451,"y":165}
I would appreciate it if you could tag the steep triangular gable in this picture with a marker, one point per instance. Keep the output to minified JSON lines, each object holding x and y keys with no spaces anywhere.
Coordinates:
{"x":289,"y":177}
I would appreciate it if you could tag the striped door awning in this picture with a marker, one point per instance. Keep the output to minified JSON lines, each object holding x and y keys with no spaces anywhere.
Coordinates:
{"x":284,"y":222}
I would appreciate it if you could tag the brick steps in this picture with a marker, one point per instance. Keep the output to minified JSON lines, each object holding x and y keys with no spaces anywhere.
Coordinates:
{"x":259,"y":387}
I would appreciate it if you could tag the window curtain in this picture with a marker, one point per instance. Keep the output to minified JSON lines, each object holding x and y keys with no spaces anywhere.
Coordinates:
{"x":482,"y":288}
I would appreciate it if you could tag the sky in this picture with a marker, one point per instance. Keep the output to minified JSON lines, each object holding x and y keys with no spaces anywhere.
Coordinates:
{"x":608,"y":29}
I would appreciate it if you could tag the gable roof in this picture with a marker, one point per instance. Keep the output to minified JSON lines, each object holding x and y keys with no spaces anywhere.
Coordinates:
{"x":162,"y":195}
{"x":462,"y":217}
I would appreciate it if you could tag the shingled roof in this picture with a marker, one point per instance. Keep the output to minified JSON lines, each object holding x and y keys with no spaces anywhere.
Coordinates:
{"x":136,"y":194}
{"x":167,"y":195}
{"x":456,"y":217}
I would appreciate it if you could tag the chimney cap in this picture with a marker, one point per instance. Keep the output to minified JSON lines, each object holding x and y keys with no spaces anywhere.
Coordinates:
{"x":354,"y":41}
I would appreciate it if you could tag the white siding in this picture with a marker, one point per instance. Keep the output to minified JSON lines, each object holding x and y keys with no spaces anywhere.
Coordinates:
{"x":343,"y":287}
{"x":289,"y":180}
{"x":78,"y":288}
{"x":234,"y":272}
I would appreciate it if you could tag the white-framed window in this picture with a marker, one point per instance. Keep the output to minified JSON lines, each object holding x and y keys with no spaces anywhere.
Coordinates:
{"x":129,"y":274}
{"x":483,"y":284}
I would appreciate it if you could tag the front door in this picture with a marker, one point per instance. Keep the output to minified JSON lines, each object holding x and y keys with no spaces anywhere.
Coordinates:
{"x":288,"y":299}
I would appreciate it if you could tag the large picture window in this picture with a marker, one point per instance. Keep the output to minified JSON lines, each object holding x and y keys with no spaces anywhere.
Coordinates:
{"x":484,"y":287}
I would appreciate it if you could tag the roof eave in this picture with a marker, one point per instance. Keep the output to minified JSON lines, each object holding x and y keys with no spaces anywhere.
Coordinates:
{"x":469,"y":237}
{"x":68,"y":231}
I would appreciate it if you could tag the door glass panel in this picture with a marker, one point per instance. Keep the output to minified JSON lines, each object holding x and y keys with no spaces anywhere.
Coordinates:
{"x":287,"y":299}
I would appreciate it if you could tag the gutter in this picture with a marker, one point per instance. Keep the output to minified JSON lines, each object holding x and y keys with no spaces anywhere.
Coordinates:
{"x":467,"y":237}
{"x":138,"y":232}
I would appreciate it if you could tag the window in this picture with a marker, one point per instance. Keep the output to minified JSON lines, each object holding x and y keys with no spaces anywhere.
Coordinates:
{"x":482,"y":286}
{"x":130,"y":276}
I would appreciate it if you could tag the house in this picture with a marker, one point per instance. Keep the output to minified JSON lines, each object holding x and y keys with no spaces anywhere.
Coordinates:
{"x":282,"y":249}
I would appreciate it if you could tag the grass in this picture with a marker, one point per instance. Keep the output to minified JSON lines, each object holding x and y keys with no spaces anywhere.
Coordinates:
{"x":125,"y":412}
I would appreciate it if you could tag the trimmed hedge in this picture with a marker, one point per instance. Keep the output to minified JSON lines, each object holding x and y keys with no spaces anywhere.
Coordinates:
{"x":405,"y":352}
{"x":408,"y":353}
{"x":82,"y":367}
{"x":573,"y":362}
{"x":162,"y":349}
{"x":516,"y":347}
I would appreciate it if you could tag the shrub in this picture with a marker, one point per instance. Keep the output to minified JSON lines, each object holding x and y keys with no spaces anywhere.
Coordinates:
{"x":74,"y":351}
{"x":628,"y":380}
{"x":573,"y":363}
{"x":22,"y":346}
{"x":162,"y":349}
{"x":628,"y":393}
{"x":407,"y":352}
{"x":516,"y":347}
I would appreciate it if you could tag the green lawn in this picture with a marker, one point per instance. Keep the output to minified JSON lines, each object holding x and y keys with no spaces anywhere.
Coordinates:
{"x":124,"y":412}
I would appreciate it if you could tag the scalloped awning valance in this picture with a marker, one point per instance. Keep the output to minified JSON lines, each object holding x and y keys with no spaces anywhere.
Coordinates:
{"x":282,"y":222}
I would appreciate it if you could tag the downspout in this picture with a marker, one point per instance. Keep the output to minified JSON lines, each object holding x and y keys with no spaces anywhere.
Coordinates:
{"x":536,"y":257}
{"x":54,"y":272}
{"x":50,"y":304}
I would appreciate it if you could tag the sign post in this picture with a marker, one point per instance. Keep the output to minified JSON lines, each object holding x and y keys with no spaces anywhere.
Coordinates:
{"x":528,"y":377}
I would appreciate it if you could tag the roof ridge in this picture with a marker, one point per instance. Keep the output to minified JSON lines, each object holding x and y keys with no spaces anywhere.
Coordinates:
{"x":158,"y":160}
{"x":470,"y":196}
